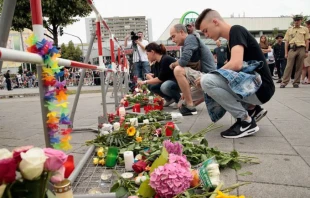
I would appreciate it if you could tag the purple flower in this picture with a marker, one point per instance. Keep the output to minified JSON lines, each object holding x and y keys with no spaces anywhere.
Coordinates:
{"x":179,"y":159}
{"x":170,"y":179}
{"x":175,"y":148}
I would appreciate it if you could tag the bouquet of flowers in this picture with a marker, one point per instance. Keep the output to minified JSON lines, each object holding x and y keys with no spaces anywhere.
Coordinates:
{"x":25,"y":171}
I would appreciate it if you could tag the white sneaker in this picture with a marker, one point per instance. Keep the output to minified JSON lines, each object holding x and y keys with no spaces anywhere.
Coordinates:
{"x":175,"y":106}
{"x":167,"y":103}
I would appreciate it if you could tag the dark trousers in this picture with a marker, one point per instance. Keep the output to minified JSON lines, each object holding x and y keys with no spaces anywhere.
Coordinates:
{"x":280,"y":65}
{"x":8,"y":84}
{"x":271,"y":68}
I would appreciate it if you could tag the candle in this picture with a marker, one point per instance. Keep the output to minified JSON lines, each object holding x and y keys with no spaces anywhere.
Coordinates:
{"x":63,"y":189}
{"x":129,"y":160}
{"x":134,"y":121}
{"x":69,"y":166}
{"x":146,"y":121}
{"x":111,"y":158}
{"x":122,"y":111}
{"x":136,"y":108}
{"x":105,"y":176}
{"x":151,"y":98}
{"x":127,"y":175}
{"x":126,"y":103}
{"x":116,"y":126}
{"x":169,"y":128}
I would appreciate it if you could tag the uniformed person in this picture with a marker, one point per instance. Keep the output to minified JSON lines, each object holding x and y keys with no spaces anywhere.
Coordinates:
{"x":306,"y":68}
{"x":296,"y":48}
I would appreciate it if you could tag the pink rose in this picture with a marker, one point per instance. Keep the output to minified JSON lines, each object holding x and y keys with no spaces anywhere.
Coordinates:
{"x":55,"y":159}
{"x":17,"y":151}
{"x":7,"y":170}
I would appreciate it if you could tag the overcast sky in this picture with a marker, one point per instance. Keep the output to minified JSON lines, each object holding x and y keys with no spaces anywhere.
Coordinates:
{"x":162,"y":12}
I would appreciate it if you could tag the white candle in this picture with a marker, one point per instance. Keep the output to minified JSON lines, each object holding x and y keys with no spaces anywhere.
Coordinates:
{"x":122,"y":111}
{"x":151,"y":98}
{"x":146,"y":121}
{"x":127,"y":175}
{"x":129,"y":160}
{"x":116,"y":126}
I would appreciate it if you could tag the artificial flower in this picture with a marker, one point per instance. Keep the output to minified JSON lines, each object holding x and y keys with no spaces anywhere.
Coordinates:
{"x":139,"y":139}
{"x":139,"y":166}
{"x":17,"y":151}
{"x":32,"y":163}
{"x":52,"y":120}
{"x":131,"y":131}
{"x":95,"y":160}
{"x":5,"y":153}
{"x":66,"y":138}
{"x":65,"y":146}
{"x":170,"y":179}
{"x":63,"y":105}
{"x":55,"y":159}
{"x":174,"y":148}
{"x":179,"y":159}
{"x":65,"y":131}
{"x":7,"y":170}
{"x":51,"y":114}
{"x":223,"y":195}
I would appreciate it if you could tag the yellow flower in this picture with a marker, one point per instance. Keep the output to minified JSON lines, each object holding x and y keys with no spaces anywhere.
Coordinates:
{"x":223,"y":195}
{"x":139,"y":139}
{"x":102,"y":162}
{"x":95,"y":160}
{"x":100,"y":153}
{"x":131,"y":131}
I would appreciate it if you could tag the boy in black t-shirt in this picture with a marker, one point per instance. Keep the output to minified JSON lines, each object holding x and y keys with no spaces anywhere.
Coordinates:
{"x":242,"y":46}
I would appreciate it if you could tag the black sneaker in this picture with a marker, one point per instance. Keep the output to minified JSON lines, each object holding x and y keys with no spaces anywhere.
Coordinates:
{"x":257,"y":113}
{"x":186,"y":111}
{"x":240,"y":129}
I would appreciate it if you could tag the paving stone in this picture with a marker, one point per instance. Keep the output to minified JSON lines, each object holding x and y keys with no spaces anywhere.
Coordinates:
{"x":264,"y":145}
{"x":278,"y":169}
{"x":304,"y":152}
{"x":267,"y":131}
{"x":260,"y":190}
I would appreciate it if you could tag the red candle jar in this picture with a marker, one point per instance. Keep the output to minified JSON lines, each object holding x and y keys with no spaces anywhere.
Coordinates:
{"x":169,"y":127}
{"x":117,"y":111}
{"x":126,"y":103}
{"x":69,"y":166}
{"x":136,"y":108}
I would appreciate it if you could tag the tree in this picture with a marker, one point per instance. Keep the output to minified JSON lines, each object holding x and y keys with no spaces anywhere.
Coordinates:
{"x":56,"y":13}
{"x":70,"y":52}
{"x":272,"y":38}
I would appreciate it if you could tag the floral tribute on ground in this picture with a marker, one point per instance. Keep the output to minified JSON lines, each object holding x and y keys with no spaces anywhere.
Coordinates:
{"x":57,"y":97}
{"x":25,"y":172}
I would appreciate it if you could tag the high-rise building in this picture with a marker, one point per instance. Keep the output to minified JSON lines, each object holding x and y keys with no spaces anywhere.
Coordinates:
{"x":121,"y":26}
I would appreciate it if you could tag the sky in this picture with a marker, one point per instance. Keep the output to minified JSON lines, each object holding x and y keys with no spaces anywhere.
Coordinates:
{"x":162,"y":12}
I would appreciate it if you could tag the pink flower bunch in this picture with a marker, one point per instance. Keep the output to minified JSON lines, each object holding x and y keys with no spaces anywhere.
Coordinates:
{"x":174,"y":148}
{"x":170,"y":179}
{"x":179,"y":159}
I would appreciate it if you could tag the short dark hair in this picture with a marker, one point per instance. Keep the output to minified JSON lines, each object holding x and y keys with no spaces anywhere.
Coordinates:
{"x":201,"y":17}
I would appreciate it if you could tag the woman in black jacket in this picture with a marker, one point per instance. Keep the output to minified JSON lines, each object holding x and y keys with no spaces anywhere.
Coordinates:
{"x":8,"y":80}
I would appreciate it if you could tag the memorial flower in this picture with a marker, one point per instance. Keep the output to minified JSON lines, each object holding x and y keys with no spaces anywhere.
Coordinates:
{"x":174,"y":148}
{"x":131,"y":131}
{"x":139,"y":139}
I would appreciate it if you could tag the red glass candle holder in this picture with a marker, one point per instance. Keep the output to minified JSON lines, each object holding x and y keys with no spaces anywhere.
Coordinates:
{"x":136,"y":108}
{"x":69,"y":166}
{"x":126,"y":103}
{"x":169,"y":128}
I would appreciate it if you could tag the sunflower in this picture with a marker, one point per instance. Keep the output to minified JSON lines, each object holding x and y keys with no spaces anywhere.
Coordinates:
{"x":139,"y":139}
{"x":131,"y":131}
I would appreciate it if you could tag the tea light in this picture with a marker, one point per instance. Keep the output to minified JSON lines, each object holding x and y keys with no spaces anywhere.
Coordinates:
{"x":151,"y":98}
{"x":134,"y":121}
{"x":116,"y":126}
{"x":127,"y":175}
{"x":105,"y":176}
{"x":122,"y":111}
{"x":146,"y":121}
{"x":129,"y":160}
{"x":63,"y":189}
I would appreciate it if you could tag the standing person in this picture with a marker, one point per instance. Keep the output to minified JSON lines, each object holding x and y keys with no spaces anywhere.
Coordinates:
{"x":140,"y":61}
{"x":8,"y":80}
{"x":297,"y":38}
{"x":271,"y":61}
{"x":221,"y":54}
{"x":279,"y":54}
{"x":191,"y":29}
{"x":263,"y":43}
{"x":161,"y":81}
{"x":242,"y":46}
{"x":195,"y":54}
{"x":306,"y":68}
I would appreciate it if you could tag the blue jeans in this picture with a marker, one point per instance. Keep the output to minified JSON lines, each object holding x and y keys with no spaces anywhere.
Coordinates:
{"x":141,"y":68}
{"x":168,"y":90}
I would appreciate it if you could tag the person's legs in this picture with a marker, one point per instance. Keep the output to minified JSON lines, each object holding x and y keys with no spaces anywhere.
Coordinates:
{"x":299,"y":64}
{"x":179,"y":73}
{"x":156,"y":90}
{"x":170,"y":88}
{"x":138,"y":70}
{"x":278,"y":66}
{"x":288,"y":68}
{"x":271,"y":68}
{"x":308,"y":68}
{"x":303,"y":74}
{"x":218,"y":89}
{"x":283,"y":66}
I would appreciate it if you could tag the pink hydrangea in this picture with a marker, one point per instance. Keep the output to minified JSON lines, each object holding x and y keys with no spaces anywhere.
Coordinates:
{"x":179,"y":159}
{"x":175,"y":148}
{"x":170,"y":179}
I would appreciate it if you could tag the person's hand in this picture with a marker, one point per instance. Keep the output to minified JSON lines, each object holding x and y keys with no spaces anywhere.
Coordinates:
{"x":307,"y":54}
{"x":197,"y":82}
{"x":140,"y":83}
{"x":127,"y":37}
{"x":285,"y":56}
{"x":149,"y":76}
{"x":172,"y":65}
{"x":138,"y":42}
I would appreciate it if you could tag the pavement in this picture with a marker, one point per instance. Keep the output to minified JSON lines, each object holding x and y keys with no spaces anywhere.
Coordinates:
{"x":282,"y":144}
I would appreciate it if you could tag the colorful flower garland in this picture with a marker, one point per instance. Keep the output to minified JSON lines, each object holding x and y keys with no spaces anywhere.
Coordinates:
{"x":59,"y":138}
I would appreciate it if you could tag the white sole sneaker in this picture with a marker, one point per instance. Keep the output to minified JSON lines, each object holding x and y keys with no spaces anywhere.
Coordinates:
{"x":260,"y":115}
{"x":244,"y":134}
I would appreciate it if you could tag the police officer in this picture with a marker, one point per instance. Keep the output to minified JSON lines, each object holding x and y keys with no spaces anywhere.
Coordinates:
{"x":296,"y":48}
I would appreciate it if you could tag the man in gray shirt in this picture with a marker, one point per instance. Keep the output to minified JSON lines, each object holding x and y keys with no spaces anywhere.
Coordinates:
{"x":193,"y":51}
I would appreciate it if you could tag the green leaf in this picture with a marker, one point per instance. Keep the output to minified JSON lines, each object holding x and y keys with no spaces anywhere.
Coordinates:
{"x":186,"y":193}
{"x":114,"y":187}
{"x":235,"y":165}
{"x":160,"y":161}
{"x":131,"y":147}
{"x":246,"y":173}
{"x":234,"y":154}
{"x":121,"y":192}
{"x":146,"y":190}
{"x":204,"y":142}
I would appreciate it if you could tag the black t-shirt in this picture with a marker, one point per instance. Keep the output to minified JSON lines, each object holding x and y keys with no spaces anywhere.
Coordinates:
{"x":238,"y":35}
{"x":221,"y":53}
{"x":162,"y":69}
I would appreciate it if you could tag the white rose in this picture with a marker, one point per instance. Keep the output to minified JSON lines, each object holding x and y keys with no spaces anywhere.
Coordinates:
{"x":5,"y":154}
{"x":2,"y":189}
{"x":137,"y":89}
{"x":32,"y":163}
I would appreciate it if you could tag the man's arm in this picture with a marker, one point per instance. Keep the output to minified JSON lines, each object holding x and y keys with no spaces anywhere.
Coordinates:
{"x":236,"y":59}
{"x":286,"y":48}
{"x":190,"y":45}
{"x":126,"y":40}
{"x":140,"y":44}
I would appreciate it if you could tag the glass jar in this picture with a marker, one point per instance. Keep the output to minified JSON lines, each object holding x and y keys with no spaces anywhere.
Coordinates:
{"x":63,"y":189}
